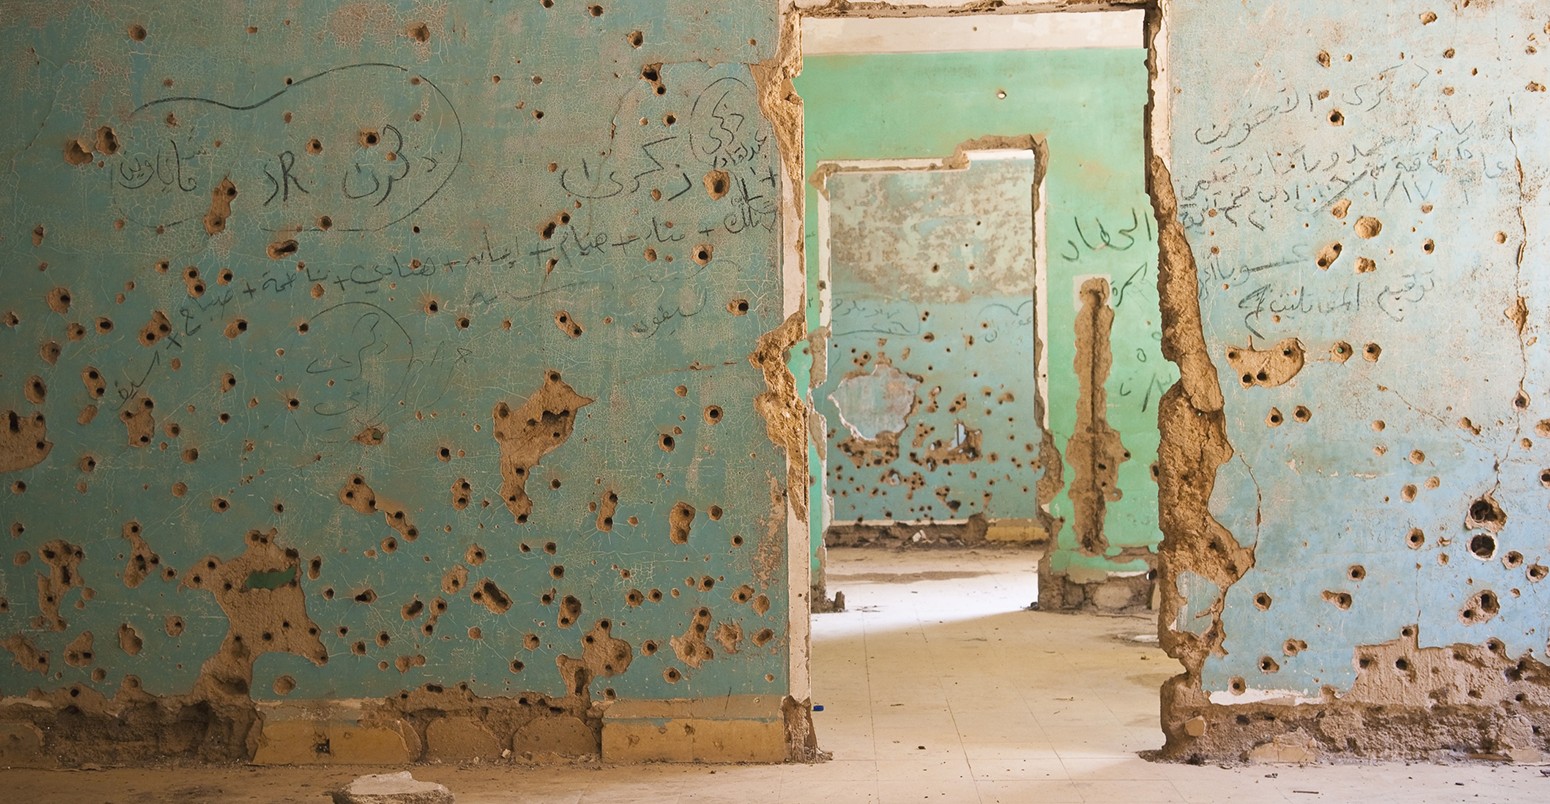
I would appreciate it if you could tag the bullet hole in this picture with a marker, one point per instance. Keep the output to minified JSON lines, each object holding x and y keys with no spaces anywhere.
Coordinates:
{"x":1481,"y":608}
{"x":1483,"y":546}
{"x":314,"y":146}
{"x":137,"y":32}
{"x":1520,"y":401}
{"x":738,"y":307}
{"x":713,"y":414}
{"x":1501,"y":237}
{"x":1408,"y":492}
{"x":1341,"y":600}
{"x":1273,"y":418}
{"x":1372,"y":352}
{"x":1292,"y":647}
{"x":1263,"y":601}
{"x":419,"y":32}
{"x":666,"y":442}
{"x":762,"y":636}
{"x":1356,"y":572}
{"x":636,"y":39}
{"x":219,"y":505}
{"x":174,"y":626}
{"x":1336,"y":118}
{"x":1268,"y":665}
{"x":1484,"y":513}
{"x":236,"y":327}
{"x":104,"y":326}
{"x":279,"y":250}
{"x":368,"y":137}
{"x":432,"y":307}
{"x":59,"y":300}
{"x":1323,"y":58}
{"x":1537,"y":572}
{"x":1302,"y":414}
{"x":1365,"y":265}
{"x":1328,"y":255}
{"x":1512,"y":560}
{"x":671,"y":675}
{"x":703,"y":253}
{"x":76,"y":153}
{"x":366,"y":596}
{"x":1378,"y":426}
{"x":1428,"y":17}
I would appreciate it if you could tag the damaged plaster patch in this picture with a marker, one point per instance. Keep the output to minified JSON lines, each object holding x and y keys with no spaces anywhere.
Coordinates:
{"x":530,"y":432}
{"x":1094,"y":451}
{"x":1266,"y":368}
{"x":266,"y":611}
{"x":785,"y":416}
{"x":877,"y":402}
{"x":23,"y":441}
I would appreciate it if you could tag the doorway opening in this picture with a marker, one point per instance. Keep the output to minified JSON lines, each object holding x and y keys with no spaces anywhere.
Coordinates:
{"x":976,"y":218}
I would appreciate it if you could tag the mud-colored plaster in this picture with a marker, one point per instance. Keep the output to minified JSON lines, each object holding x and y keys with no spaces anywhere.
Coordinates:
{"x":1087,"y":106}
{"x":366,"y":351}
{"x":1354,"y":463}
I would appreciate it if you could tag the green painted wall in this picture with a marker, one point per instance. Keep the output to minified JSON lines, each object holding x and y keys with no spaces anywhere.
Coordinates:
{"x":1088,"y":106}
{"x":333,"y":295}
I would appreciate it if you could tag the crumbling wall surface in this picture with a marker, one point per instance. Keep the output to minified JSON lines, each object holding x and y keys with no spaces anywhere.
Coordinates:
{"x":1086,"y":108}
{"x":1354,"y":463}
{"x":405,"y":353}
{"x":930,"y":392}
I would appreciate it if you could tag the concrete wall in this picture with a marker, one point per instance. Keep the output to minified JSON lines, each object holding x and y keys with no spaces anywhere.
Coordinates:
{"x":1085,"y":109}
{"x":391,"y":380}
{"x":1355,"y":461}
{"x":930,"y":401}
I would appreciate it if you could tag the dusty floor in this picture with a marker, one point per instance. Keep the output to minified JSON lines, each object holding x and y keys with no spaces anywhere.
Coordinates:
{"x":937,"y":686}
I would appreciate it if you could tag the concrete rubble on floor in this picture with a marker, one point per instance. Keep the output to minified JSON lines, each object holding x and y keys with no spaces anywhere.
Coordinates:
{"x":392,"y":788}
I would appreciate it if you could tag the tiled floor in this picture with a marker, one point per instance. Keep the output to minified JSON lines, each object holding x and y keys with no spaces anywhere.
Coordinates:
{"x":937,"y":685}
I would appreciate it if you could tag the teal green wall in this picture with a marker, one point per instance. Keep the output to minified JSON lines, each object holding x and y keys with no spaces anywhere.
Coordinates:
{"x":931,"y":277}
{"x":471,"y":191}
{"x":1088,"y":105}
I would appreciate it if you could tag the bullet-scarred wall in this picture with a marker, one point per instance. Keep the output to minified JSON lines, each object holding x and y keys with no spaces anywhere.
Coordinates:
{"x":426,"y":356}
{"x":1354,"y":464}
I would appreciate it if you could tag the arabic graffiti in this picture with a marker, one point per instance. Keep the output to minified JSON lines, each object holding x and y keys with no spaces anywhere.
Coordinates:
{"x":384,"y":143}
{"x":1097,"y":236}
{"x":1255,"y":181}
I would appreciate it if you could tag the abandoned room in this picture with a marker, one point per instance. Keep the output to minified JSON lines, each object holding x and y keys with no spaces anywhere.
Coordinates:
{"x":798,"y":400}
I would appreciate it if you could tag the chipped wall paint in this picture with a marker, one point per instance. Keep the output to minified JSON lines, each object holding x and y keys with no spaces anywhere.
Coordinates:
{"x":1355,"y":461}
{"x":412,"y":353}
{"x":1088,"y":107}
{"x":930,"y":397}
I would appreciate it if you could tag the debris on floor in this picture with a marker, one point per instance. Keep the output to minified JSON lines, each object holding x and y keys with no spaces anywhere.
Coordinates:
{"x":392,"y":788}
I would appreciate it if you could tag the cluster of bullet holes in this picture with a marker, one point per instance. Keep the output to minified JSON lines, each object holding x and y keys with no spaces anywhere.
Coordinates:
{"x":652,"y":73}
{"x":606,"y":509}
{"x":568,"y":324}
{"x":1481,"y":607}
